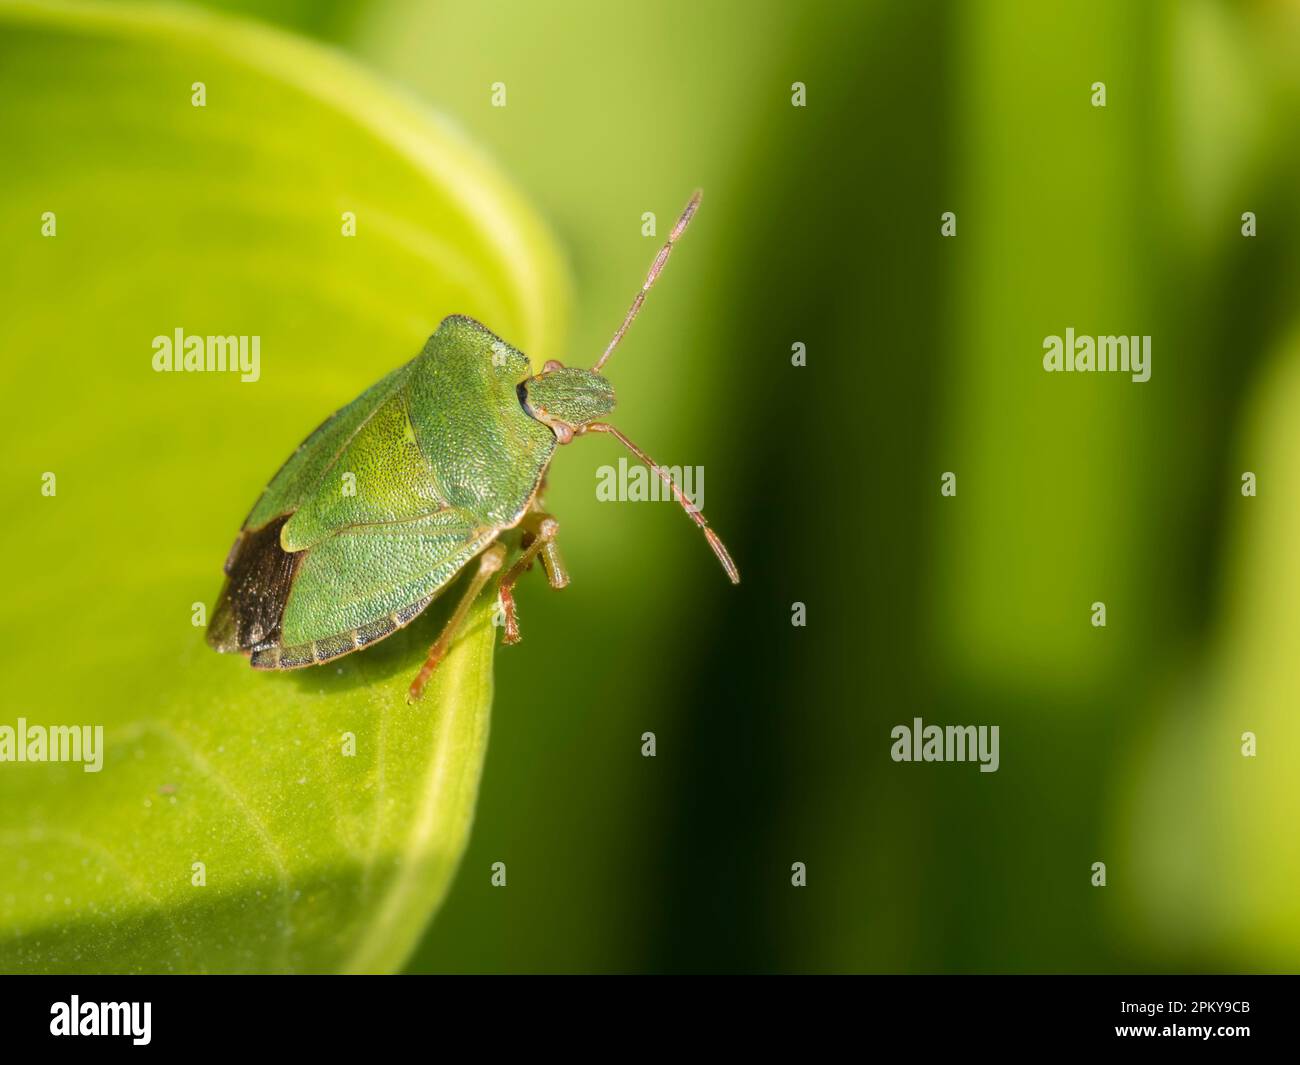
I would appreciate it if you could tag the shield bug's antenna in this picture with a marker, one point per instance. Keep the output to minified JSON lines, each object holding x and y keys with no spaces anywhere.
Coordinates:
{"x":656,"y":268}
{"x":719,"y":548}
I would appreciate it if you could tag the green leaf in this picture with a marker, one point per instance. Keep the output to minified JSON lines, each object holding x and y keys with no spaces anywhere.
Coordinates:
{"x":1206,"y":824}
{"x":224,"y":219}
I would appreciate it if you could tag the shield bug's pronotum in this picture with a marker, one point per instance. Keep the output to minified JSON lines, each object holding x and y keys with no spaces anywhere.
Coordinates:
{"x":418,"y":477}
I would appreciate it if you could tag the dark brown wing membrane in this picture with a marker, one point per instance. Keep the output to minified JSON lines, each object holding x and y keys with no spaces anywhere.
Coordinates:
{"x":250,"y":607}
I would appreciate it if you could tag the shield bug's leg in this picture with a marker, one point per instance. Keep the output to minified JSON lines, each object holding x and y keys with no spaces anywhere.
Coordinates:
{"x":714,"y":542}
{"x":489,"y":562}
{"x":547,"y":528}
{"x":554,"y":566}
{"x":556,"y":573}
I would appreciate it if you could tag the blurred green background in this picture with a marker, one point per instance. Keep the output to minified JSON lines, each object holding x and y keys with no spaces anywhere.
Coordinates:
{"x":821,"y":225}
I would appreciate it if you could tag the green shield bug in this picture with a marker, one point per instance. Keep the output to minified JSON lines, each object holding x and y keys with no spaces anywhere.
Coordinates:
{"x":418,"y":477}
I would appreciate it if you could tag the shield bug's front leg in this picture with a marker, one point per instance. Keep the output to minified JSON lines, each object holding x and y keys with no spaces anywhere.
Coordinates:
{"x":543,"y":544}
{"x":488,"y":563}
{"x":556,"y":575}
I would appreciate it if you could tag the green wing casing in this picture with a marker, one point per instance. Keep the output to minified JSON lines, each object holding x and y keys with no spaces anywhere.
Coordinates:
{"x":384,"y":504}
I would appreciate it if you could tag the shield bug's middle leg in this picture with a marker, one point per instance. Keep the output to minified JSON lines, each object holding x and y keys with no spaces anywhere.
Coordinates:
{"x":543,"y":544}
{"x":489,"y":563}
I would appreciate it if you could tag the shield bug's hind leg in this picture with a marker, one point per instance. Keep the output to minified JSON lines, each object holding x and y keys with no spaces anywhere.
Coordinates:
{"x":543,"y":544}
{"x":489,"y":563}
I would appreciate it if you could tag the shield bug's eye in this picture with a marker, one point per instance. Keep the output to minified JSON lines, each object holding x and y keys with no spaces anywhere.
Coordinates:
{"x":521,"y":390}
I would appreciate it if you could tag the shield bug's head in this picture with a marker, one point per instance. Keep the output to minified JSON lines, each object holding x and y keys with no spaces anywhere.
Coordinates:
{"x":572,"y":401}
{"x":566,"y":398}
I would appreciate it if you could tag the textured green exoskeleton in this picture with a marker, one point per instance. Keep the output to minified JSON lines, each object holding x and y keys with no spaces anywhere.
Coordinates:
{"x":383,"y":505}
